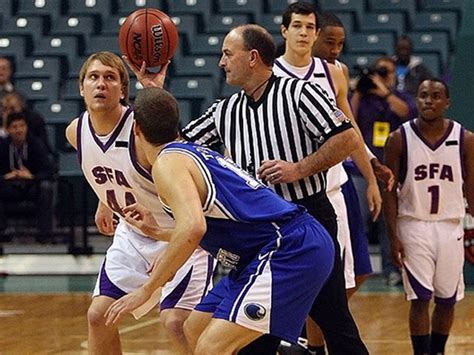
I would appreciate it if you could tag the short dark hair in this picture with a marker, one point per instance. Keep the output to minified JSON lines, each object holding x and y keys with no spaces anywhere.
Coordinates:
{"x":16,"y":116}
{"x":328,"y":18}
{"x":257,"y":37}
{"x":157,"y":115}
{"x":301,"y":8}
{"x":436,"y":80}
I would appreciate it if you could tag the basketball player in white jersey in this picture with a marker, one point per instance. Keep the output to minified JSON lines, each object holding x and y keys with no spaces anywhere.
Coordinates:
{"x":115,"y":167}
{"x":432,"y":158}
{"x":299,"y":31}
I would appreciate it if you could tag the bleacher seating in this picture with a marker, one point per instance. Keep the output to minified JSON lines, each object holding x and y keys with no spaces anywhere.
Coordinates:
{"x":271,"y":22}
{"x":384,"y":22}
{"x":38,"y":89}
{"x":14,"y":47}
{"x":372,"y":42}
{"x":100,"y":9}
{"x":407,"y":7}
{"x":431,"y":42}
{"x":57,"y":112}
{"x":31,"y":27}
{"x":193,"y":88}
{"x":60,"y":46}
{"x":126,"y":7}
{"x":357,"y":7}
{"x":207,"y":44}
{"x":40,"y":67}
{"x":224,"y":23}
{"x":102,"y":43}
{"x":437,"y":21}
{"x":355,"y":62}
{"x":198,"y":66}
{"x":50,"y":9}
{"x":185,"y":112}
{"x":253,"y":8}
{"x":187,"y":29}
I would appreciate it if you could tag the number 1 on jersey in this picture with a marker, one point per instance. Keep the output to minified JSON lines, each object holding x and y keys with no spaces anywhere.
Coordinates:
{"x":434,"y":191}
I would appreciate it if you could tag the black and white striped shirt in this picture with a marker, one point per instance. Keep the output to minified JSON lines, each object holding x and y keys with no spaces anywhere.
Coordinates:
{"x":291,"y":119}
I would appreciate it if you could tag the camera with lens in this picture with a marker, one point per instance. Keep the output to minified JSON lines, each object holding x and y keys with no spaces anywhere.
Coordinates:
{"x":365,"y":83}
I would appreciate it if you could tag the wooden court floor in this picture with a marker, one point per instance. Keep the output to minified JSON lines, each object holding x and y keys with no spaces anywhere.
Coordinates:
{"x":56,"y":324}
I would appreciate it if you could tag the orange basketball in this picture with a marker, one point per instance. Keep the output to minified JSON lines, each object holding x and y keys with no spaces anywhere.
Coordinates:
{"x":148,"y":35}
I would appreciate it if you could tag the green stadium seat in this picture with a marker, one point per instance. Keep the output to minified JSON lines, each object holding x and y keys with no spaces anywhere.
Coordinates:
{"x":272,"y":22}
{"x":14,"y":47}
{"x":202,"y":88}
{"x":70,"y":90}
{"x":203,"y":8}
{"x":40,"y":67}
{"x":253,"y":8}
{"x":224,"y":23}
{"x":437,"y":21}
{"x":384,"y":22}
{"x":187,"y":29}
{"x":69,"y":165}
{"x":50,"y":9}
{"x":32,"y":27}
{"x":198,"y":66}
{"x":207,"y":44}
{"x":347,"y":20}
{"x":102,"y":43}
{"x":6,"y":8}
{"x":82,"y":26}
{"x":111,"y":25}
{"x":185,"y":112}
{"x":432,"y":61}
{"x":357,"y":7}
{"x":227,"y":90}
{"x":38,"y":89}
{"x":431,"y":42}
{"x":277,"y":6}
{"x":59,"y":112}
{"x":371,"y":42}
{"x":62,"y":46}
{"x":408,"y":7}
{"x":126,"y":7}
{"x":100,"y":9}
{"x":442,"y":5}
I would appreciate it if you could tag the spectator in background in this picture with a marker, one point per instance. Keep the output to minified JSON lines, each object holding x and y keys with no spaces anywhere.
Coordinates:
{"x":410,"y":69}
{"x":26,"y":173}
{"x":14,"y":103}
{"x":379,"y":108}
{"x":6,"y":85}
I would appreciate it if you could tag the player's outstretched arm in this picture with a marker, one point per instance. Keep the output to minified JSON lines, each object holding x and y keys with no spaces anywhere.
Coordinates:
{"x":469,"y":168}
{"x":181,"y":186}
{"x":392,"y":155}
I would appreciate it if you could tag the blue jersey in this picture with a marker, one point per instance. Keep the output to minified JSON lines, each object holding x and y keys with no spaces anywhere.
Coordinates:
{"x":242,"y":214}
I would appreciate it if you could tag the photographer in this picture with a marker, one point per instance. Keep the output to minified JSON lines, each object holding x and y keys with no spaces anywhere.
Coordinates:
{"x":379,"y":109}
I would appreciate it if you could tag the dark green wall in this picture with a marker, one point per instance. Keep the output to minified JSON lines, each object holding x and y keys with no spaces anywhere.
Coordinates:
{"x":462,"y":85}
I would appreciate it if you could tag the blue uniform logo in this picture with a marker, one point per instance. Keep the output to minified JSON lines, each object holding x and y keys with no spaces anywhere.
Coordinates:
{"x":255,"y":311}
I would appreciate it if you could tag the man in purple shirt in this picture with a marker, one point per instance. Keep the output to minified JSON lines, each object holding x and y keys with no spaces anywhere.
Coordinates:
{"x":379,"y":109}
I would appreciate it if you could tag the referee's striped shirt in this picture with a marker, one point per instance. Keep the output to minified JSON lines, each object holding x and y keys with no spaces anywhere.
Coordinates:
{"x":291,"y":119}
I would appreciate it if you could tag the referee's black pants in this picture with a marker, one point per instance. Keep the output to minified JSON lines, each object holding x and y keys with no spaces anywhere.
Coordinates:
{"x":330,"y":309}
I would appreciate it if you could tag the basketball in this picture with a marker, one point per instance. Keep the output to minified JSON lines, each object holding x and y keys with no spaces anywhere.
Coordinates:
{"x":148,"y":35}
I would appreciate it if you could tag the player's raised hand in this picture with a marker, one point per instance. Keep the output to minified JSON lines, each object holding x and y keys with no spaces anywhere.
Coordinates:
{"x":125,"y":305}
{"x":147,"y":78}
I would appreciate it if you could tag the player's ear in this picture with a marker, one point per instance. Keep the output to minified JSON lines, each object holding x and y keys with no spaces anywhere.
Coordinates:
{"x":81,"y":90}
{"x":283,"y":31}
{"x":136,"y":129}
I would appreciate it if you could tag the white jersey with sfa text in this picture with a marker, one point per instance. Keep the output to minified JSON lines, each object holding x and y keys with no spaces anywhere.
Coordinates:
{"x":111,"y":167}
{"x":431,"y":174}
{"x":316,"y":72}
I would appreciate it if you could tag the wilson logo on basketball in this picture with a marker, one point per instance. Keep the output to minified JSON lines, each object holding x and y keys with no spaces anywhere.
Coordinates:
{"x":157,"y":32}
{"x":137,"y":46}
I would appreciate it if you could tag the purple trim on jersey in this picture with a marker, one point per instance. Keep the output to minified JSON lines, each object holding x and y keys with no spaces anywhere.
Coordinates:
{"x":461,"y":153}
{"x":173,"y":298}
{"x":421,"y":292}
{"x":107,"y":288}
{"x":246,"y":289}
{"x":133,"y":157}
{"x":403,"y":169}
{"x":447,"y":301}
{"x":116,"y":132}
{"x":428,"y":144}
{"x":308,"y":74}
{"x":328,"y":76}
{"x":79,"y":138}
{"x":210,"y":272}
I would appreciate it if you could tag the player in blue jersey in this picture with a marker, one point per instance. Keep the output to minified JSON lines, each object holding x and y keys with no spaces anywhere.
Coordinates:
{"x":279,"y":255}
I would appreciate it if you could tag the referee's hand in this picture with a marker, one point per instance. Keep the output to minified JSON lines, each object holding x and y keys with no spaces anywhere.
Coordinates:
{"x":277,"y":172}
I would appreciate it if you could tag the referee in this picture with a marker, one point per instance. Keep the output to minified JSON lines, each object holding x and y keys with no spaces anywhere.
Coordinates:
{"x":286,"y":132}
{"x":275,"y":129}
